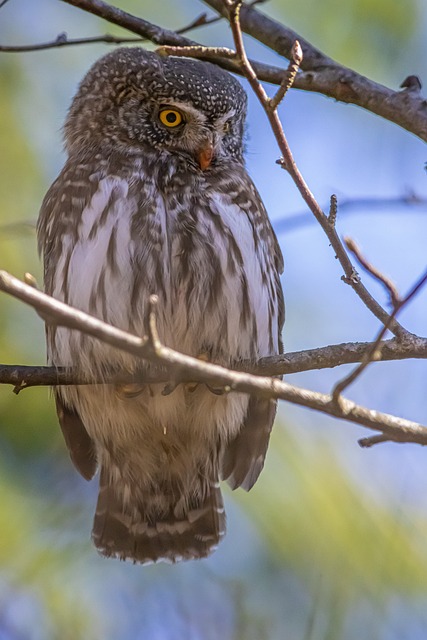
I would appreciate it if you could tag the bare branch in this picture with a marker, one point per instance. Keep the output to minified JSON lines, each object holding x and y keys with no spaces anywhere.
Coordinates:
{"x":375,"y":273}
{"x":22,"y":376}
{"x":351,"y":276}
{"x":322,"y":74}
{"x":365,"y":205}
{"x":211,"y":374}
{"x":289,"y":76}
{"x":333,"y":210}
{"x":62,"y":40}
{"x":373,"y":353}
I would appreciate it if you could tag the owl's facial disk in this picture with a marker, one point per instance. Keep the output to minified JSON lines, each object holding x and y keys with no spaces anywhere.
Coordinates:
{"x":189,"y":130}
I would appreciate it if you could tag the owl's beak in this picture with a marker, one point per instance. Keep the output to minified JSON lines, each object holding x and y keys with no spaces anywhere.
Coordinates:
{"x":205,"y":156}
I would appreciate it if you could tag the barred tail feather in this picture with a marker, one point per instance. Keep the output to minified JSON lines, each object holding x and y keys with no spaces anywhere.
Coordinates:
{"x":128,"y":534}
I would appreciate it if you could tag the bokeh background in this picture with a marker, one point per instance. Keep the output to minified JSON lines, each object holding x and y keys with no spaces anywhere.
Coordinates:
{"x":332,"y":541}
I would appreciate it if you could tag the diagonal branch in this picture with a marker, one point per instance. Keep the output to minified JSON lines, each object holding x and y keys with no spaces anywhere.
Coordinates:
{"x":373,"y":352}
{"x":395,"y":428}
{"x":351,"y":276}
{"x":62,"y":39}
{"x":321,"y":74}
{"x":23,"y":376}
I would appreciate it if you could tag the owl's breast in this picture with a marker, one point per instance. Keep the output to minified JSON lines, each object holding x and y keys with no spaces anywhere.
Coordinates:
{"x":222,"y":300}
{"x":190,"y":244}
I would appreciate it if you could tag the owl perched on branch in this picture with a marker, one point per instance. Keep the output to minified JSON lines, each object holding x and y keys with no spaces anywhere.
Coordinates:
{"x":154,"y":198}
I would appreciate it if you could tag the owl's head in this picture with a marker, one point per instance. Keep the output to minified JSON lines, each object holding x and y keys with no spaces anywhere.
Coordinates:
{"x":136,"y":101}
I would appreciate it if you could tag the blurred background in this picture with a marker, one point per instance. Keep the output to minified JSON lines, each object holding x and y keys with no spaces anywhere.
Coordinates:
{"x":332,"y":541}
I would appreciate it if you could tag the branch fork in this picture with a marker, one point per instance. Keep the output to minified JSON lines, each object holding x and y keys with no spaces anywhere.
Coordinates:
{"x":311,"y":72}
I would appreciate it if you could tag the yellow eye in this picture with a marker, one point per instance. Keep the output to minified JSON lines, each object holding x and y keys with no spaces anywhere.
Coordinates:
{"x":170,"y":117}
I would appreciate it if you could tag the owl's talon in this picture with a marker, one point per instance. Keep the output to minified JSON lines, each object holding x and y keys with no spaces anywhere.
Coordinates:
{"x":218,"y":391}
{"x":169,"y":388}
{"x":129,"y":391}
{"x":191,"y":387}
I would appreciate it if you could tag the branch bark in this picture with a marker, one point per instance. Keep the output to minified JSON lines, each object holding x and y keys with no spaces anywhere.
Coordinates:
{"x":351,"y":277}
{"x":148,"y":348}
{"x":331,"y":356}
{"x":320,"y":74}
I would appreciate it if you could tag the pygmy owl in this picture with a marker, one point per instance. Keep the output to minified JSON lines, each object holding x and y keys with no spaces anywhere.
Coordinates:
{"x":154,"y":198}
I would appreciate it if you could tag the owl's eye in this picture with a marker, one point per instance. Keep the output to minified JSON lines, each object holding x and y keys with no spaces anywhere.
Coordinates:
{"x":226,"y":127}
{"x":170,"y":117}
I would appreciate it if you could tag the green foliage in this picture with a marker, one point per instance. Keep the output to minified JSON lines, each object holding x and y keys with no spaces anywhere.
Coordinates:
{"x":368,"y":35}
{"x":21,"y":331}
{"x":35,"y":567}
{"x":348,"y":549}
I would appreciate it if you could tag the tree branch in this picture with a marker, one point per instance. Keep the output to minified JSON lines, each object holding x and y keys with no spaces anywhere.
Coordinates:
{"x":177,"y":363}
{"x":351,"y":277}
{"x":62,"y":40}
{"x":321,"y":74}
{"x":374,"y":352}
{"x":331,"y":356}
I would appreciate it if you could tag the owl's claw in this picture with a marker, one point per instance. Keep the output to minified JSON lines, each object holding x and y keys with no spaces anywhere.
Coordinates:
{"x":191,"y":386}
{"x":218,"y":391}
{"x":128,"y":391}
{"x":169,"y":388}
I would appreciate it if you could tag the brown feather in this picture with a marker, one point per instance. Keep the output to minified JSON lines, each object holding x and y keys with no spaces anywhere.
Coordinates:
{"x":80,"y":445}
{"x":128,"y":532}
{"x":244,"y":457}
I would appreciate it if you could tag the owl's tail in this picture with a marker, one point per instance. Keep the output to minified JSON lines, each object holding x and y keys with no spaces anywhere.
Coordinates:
{"x":133,"y":534}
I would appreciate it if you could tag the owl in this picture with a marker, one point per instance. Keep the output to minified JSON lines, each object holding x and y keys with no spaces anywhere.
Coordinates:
{"x":154,"y":198}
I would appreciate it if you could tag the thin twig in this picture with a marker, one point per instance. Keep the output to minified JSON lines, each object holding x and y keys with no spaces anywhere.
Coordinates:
{"x":208,"y":373}
{"x":62,"y":40}
{"x":289,"y":76}
{"x":351,"y":277}
{"x":324,"y":75}
{"x":373,"y":271}
{"x":200,"y":21}
{"x":333,"y":210}
{"x":373,"y":353}
{"x":365,"y":443}
{"x":368,"y":206}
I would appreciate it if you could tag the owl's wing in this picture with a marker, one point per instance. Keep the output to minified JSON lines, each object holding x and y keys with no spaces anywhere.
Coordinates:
{"x":244,"y":457}
{"x":54,"y":221}
{"x":79,"y":444}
